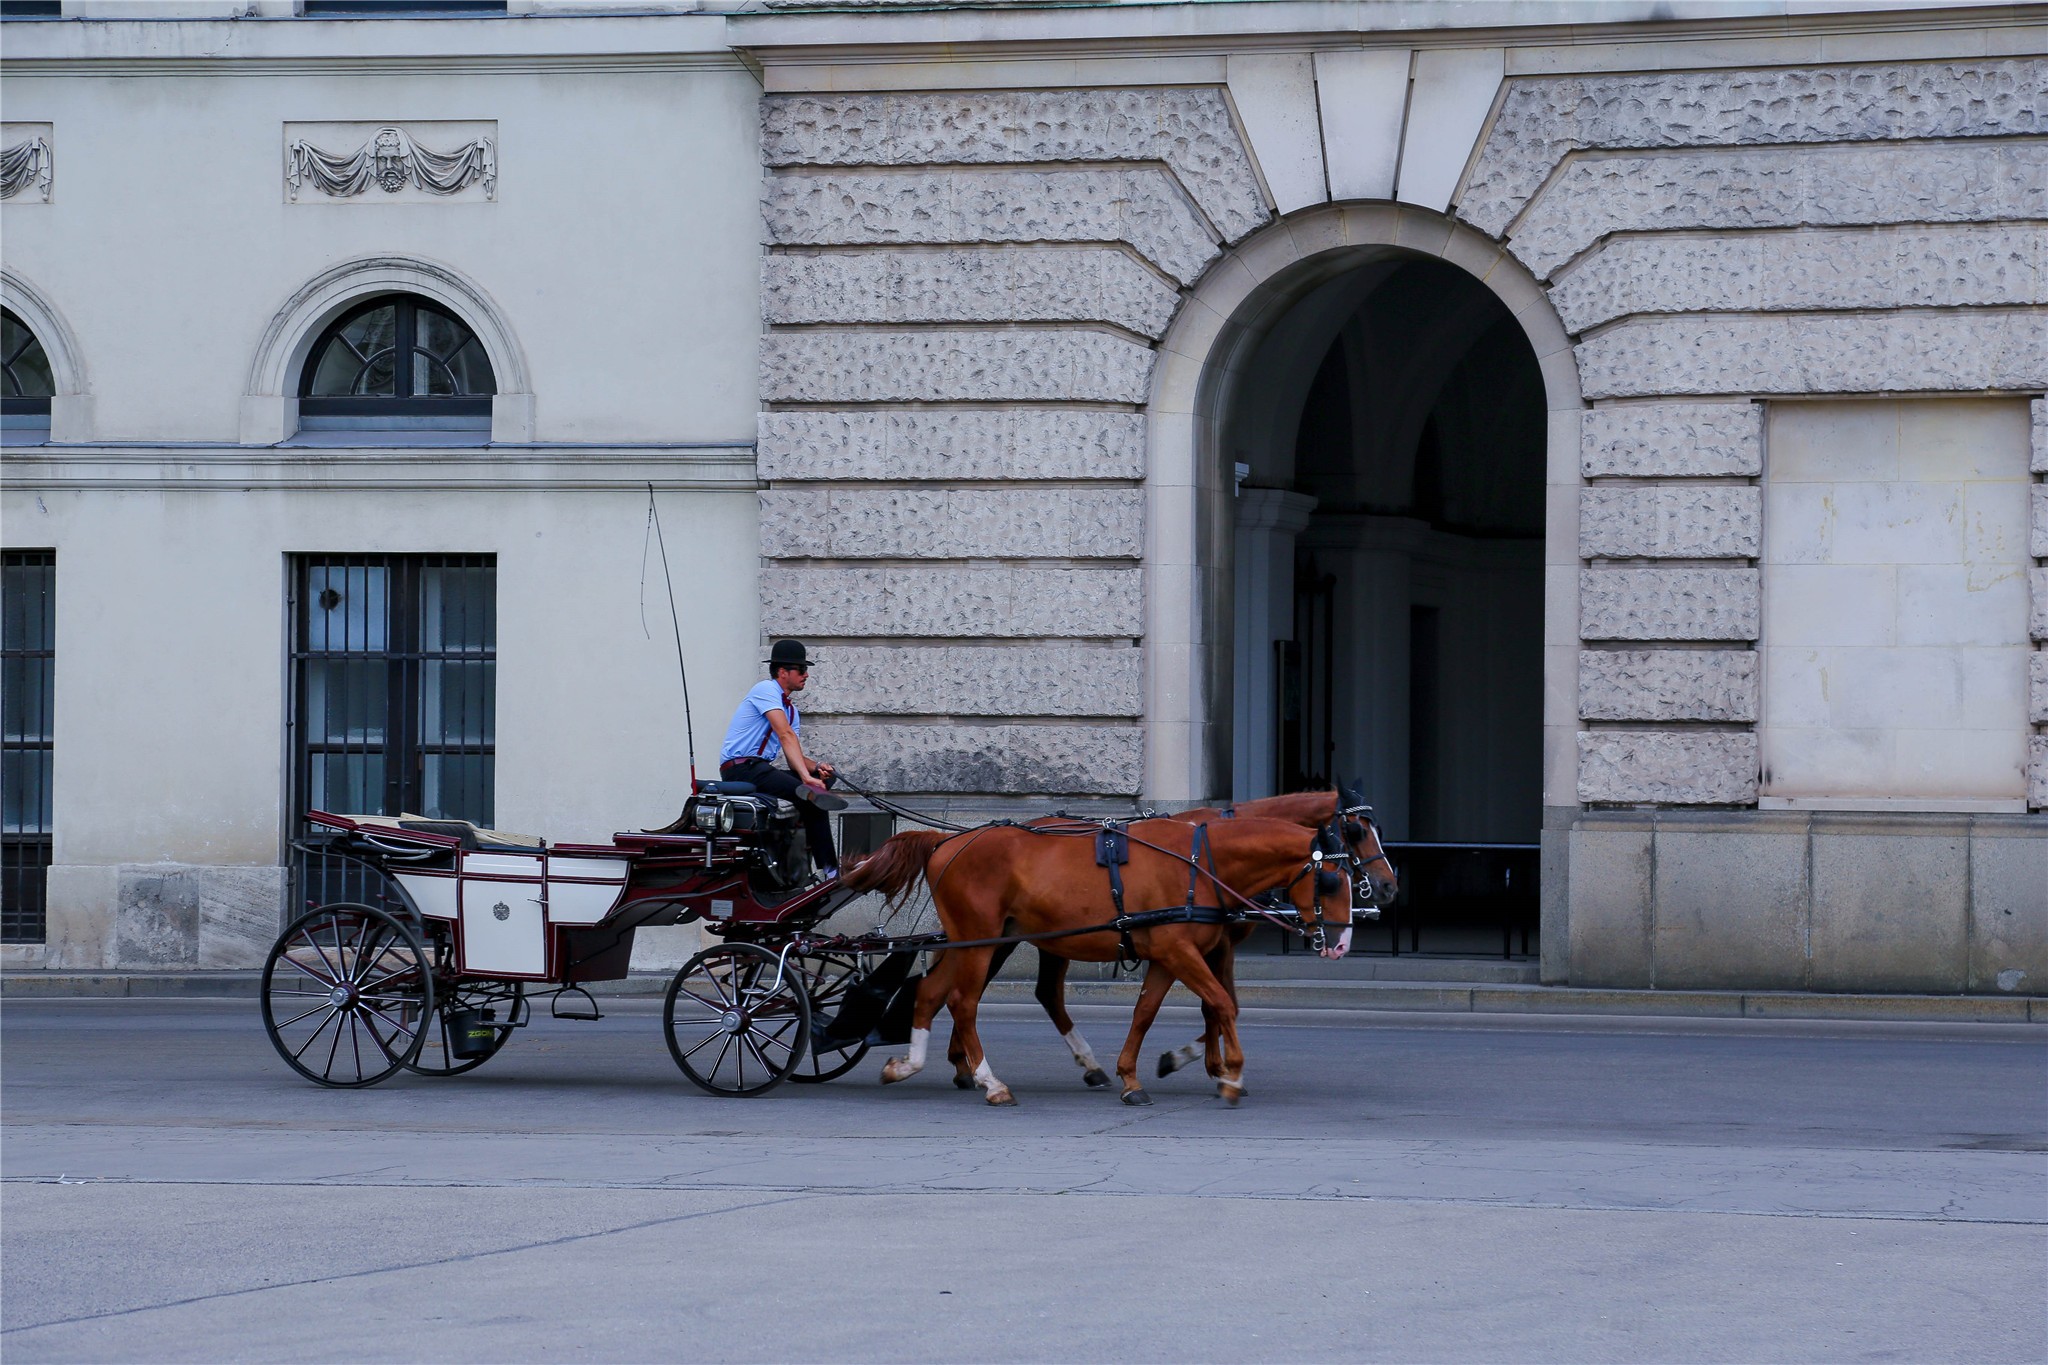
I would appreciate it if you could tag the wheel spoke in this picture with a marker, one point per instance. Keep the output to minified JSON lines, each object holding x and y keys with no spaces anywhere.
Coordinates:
{"x":334,"y":1050}
{"x":331,"y":1013}
{"x":296,"y":1017}
{"x":355,"y":1042}
{"x":747,"y":1045}
{"x":712,"y":1005}
{"x":709,"y":1039}
{"x":719,"y":1062}
{"x":333,"y":973}
{"x":366,"y":965}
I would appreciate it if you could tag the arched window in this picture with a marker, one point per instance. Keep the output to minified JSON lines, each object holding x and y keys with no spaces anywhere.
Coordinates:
{"x":401,"y":362}
{"x":25,"y":379}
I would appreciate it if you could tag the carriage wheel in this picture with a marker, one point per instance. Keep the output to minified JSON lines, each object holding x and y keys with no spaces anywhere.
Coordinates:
{"x":828,"y":976}
{"x":346,"y":993}
{"x":733,"y":1027}
{"x":505,"y":999}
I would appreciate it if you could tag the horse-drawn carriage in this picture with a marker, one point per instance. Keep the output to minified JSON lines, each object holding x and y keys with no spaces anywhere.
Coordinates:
{"x":478,"y":924}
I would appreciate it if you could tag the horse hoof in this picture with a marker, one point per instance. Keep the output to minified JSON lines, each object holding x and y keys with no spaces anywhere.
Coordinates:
{"x":961,"y":1082}
{"x":1136,"y":1097}
{"x":1166,"y":1066}
{"x":1001,"y":1096}
{"x":1098,"y":1079}
{"x":898,"y":1069}
{"x":1231,"y":1094}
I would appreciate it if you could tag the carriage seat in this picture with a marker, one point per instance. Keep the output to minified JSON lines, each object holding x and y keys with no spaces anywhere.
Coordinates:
{"x":474,"y":840}
{"x":725,"y":788}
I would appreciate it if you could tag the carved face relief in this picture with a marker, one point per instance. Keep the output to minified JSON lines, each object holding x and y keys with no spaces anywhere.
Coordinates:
{"x":390,"y":158}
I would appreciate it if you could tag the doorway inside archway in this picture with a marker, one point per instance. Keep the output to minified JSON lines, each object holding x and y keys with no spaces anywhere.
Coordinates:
{"x":1388,"y":440}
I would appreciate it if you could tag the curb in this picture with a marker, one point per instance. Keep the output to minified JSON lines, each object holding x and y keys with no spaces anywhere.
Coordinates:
{"x":1415,"y":996}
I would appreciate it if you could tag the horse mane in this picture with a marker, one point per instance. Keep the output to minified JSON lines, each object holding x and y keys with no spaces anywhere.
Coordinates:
{"x":896,"y":866}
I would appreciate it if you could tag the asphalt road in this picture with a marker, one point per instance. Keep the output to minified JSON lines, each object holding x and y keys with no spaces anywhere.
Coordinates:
{"x":1396,"y":1187}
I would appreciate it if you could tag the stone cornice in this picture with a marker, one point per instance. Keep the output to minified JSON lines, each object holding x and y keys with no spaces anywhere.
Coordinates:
{"x":219,"y":468}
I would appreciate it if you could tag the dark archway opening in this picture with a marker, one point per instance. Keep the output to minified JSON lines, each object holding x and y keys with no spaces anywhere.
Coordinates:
{"x":1389,"y":441}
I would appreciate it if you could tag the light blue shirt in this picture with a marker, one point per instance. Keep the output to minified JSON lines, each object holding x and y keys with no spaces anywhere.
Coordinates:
{"x":749,"y":735}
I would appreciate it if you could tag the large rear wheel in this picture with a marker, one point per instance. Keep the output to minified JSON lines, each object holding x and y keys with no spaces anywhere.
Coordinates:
{"x":736,"y":1021}
{"x":830,"y":976}
{"x":347,"y":995}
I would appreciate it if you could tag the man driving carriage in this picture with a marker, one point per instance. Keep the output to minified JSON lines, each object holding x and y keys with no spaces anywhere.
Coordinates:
{"x":765,"y":726}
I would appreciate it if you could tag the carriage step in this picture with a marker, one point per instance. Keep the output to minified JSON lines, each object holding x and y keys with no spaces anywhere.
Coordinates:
{"x":555,"y":1004}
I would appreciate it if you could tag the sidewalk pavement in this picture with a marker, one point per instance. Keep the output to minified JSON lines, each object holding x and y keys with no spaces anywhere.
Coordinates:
{"x":1305,"y":992}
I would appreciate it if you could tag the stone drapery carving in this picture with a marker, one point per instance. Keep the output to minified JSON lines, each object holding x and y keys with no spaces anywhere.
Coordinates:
{"x":391,"y":160}
{"x":1542,"y":119}
{"x":25,"y":164}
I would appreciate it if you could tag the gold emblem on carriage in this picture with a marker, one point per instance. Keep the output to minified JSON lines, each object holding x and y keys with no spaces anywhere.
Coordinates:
{"x":501,"y":911}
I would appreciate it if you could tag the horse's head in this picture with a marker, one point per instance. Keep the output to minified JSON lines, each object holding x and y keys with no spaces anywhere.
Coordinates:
{"x":1377,"y":882}
{"x":1325,"y":893}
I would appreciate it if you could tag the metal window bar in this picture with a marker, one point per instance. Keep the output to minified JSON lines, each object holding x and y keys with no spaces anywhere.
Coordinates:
{"x":28,"y":672}
{"x":394,"y":699}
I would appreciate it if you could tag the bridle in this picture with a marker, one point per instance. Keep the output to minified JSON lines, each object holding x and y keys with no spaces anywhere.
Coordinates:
{"x":1360,"y":816}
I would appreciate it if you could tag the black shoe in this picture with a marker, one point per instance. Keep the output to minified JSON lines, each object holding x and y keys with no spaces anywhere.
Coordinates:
{"x":822,"y":800}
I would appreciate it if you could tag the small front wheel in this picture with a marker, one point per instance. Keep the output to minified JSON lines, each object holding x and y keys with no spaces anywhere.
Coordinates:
{"x":347,"y":995}
{"x":828,"y":977}
{"x":736,"y":1022}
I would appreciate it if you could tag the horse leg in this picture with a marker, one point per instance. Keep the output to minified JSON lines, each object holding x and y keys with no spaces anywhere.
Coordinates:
{"x":956,"y":1050}
{"x":1223,"y":962}
{"x":1051,"y":991}
{"x":970,"y":978}
{"x":1186,"y":962}
{"x":931,"y":992}
{"x":1203,"y":1046}
{"x":1158,"y":980}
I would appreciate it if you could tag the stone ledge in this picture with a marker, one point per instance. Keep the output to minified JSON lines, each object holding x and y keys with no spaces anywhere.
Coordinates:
{"x":1686,"y":521}
{"x":1668,"y":684}
{"x":1684,"y":768}
{"x":1543,"y":118}
{"x":1032,"y":284}
{"x":1670,"y":604}
{"x":953,"y":601}
{"x":975,"y":443}
{"x":953,"y":365}
{"x":1672,"y":440}
{"x":1780,"y":187}
{"x":979,"y":680}
{"x":957,"y":523}
{"x":1188,"y":128}
{"x":1817,"y":353}
{"x":1986,"y":265}
{"x":1139,"y":206}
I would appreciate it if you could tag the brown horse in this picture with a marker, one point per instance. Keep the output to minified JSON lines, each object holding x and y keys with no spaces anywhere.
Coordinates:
{"x":1310,"y":810}
{"x":1045,"y":880}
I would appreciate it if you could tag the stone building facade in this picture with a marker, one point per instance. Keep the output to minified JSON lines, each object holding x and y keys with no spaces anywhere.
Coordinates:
{"x":1684,"y":376}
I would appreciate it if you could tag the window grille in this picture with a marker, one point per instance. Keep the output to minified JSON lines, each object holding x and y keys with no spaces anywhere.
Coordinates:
{"x":26,"y":380}
{"x":398,"y":361}
{"x":28,"y":672}
{"x":394,"y":699}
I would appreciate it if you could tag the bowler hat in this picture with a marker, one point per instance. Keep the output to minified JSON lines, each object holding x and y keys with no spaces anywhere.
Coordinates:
{"x":788,"y":654}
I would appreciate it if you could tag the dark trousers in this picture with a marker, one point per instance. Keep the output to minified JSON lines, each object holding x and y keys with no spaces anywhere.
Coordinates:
{"x":781,"y":782}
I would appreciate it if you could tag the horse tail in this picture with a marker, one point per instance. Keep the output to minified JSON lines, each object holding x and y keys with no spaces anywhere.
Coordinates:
{"x":896,"y":866}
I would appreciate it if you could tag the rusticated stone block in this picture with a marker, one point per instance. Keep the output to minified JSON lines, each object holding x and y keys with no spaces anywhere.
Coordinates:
{"x":978,"y":680}
{"x":1139,"y":205}
{"x":1189,"y":129}
{"x":1681,"y":521}
{"x":1826,"y":353}
{"x":2037,"y":687}
{"x":2039,"y":464}
{"x":1678,"y":768}
{"x":2038,"y":545}
{"x":1668,"y":684}
{"x":1542,"y":119}
{"x":1949,"y":182}
{"x":955,"y":523}
{"x":1032,"y":284}
{"x":1986,"y":264}
{"x":1670,"y":604}
{"x":2037,"y":615}
{"x":995,"y":603}
{"x":1657,"y":440}
{"x":2037,"y":772}
{"x":947,"y":365}
{"x":971,"y":443}
{"x":1022,"y":760}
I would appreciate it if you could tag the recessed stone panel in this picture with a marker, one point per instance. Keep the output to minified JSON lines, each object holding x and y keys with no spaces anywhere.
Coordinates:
{"x":952,"y":365}
{"x":2009,"y":907}
{"x":1078,"y":760}
{"x":1822,"y":268}
{"x":1681,"y":767}
{"x":1683,"y":521}
{"x":1189,"y":129}
{"x":1668,"y":684}
{"x":1889,"y":906}
{"x":1032,"y":284}
{"x":1780,"y":187}
{"x":1669,"y":604}
{"x":1705,"y":938}
{"x":1661,"y":440}
{"x":958,"y":523}
{"x":973,"y":443}
{"x":1610,"y":898}
{"x":978,"y":680}
{"x":1542,"y":119}
{"x":1825,"y":353}
{"x":998,"y":603}
{"x":1139,"y":205}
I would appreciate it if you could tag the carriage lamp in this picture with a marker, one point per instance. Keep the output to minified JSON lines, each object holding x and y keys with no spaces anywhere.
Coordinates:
{"x":714,"y":817}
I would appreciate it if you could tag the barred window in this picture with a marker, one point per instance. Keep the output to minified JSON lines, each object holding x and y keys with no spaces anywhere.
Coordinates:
{"x":28,"y":673}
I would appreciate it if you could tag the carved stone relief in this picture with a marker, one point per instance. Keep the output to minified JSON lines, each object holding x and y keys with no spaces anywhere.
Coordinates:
{"x":348,"y":161}
{"x":27,"y":164}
